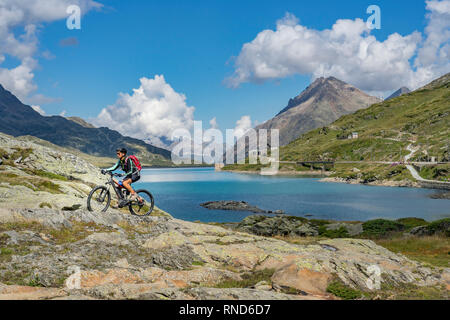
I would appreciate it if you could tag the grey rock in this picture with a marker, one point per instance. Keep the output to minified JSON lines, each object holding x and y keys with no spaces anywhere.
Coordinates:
{"x":238,"y":294}
{"x":180,"y":257}
{"x":279,"y":225}
{"x":439,"y":227}
{"x":236,"y":206}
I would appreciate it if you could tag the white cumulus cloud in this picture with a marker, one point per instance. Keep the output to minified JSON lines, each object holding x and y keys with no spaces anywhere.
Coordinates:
{"x":20,"y":21}
{"x":242,"y":126}
{"x":154,"y":109}
{"x":350,"y":52}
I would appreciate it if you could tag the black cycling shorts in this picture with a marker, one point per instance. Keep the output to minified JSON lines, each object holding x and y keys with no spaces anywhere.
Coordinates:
{"x":136,"y":176}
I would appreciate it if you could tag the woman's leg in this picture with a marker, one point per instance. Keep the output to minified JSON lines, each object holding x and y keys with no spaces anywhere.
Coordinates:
{"x":127,"y":185}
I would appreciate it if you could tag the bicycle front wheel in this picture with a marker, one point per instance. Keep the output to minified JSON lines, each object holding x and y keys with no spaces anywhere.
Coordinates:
{"x":99,"y":199}
{"x":145,"y":207}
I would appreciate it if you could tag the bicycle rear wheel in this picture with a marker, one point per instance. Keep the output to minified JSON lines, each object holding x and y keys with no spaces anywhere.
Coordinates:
{"x":145,"y":207}
{"x":99,"y":199}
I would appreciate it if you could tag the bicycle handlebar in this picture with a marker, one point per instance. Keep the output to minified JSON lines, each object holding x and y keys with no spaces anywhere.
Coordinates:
{"x":113,"y":174}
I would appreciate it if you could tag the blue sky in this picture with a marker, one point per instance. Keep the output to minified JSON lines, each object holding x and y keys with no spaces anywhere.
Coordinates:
{"x":191,"y":43}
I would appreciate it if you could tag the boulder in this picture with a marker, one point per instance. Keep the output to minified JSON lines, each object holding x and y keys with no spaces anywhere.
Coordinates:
{"x":302,"y":279}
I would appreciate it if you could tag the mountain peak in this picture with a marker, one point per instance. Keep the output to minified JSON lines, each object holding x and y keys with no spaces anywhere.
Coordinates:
{"x":321,"y":103}
{"x":399,"y":92}
{"x":322,"y":89}
{"x":322,"y":80}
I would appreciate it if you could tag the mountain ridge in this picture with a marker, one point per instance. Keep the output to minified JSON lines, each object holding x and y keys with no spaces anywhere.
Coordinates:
{"x":18,"y":119}
{"x":387,"y":131}
{"x":322,"y":102}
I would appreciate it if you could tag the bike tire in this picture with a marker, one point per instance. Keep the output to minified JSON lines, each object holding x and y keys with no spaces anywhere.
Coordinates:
{"x":107,"y":195}
{"x":149,"y":202}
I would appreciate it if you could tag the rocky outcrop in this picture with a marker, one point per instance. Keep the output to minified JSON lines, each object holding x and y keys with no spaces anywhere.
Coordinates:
{"x":80,"y":255}
{"x":34,"y":175}
{"x":293,"y":226}
{"x":236,"y":206}
{"x":277,"y":226}
{"x":437,"y":227}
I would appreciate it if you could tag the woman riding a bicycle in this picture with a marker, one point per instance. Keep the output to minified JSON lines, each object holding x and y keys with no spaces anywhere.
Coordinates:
{"x":139,"y":202}
{"x":132,"y":172}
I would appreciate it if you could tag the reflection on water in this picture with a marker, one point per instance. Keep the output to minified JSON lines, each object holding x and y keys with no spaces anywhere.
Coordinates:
{"x":180,"y":192}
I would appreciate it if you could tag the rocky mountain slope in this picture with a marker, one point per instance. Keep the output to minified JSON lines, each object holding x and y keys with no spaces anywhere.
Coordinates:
{"x":34,"y":175}
{"x":419,"y":119}
{"x":81,"y":122}
{"x":17,"y":119}
{"x":323,"y":102}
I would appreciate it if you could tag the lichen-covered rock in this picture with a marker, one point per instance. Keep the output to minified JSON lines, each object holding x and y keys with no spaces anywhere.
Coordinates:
{"x":121,"y":257}
{"x":278,"y":225}
{"x":40,"y":176}
{"x":242,"y":294}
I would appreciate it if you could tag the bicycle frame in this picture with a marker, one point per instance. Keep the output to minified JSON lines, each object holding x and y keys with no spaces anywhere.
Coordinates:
{"x":115,"y":185}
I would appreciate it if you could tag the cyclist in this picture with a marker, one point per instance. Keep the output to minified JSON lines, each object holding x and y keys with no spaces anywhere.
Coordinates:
{"x":132,"y":172}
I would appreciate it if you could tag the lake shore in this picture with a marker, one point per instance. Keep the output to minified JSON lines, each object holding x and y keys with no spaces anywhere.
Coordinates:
{"x":382,"y":183}
{"x":303,"y":174}
{"x":325,"y":177}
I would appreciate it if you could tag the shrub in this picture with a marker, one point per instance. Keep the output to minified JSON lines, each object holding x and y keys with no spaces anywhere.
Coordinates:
{"x":343,"y":291}
{"x":381,"y":227}
{"x":410,"y":223}
{"x":338,"y":233}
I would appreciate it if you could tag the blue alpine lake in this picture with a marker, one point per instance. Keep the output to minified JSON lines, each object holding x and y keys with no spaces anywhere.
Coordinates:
{"x":181,"y":191}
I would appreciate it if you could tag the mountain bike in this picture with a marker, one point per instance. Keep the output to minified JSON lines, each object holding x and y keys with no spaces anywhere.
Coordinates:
{"x":99,"y":198}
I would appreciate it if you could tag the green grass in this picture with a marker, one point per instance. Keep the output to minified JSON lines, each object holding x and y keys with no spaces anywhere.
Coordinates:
{"x":46,"y":174}
{"x":45,"y":205}
{"x":410,"y":223}
{"x":433,"y":250}
{"x":78,"y":230}
{"x":381,"y":228}
{"x":438,"y":172}
{"x":31,"y":182}
{"x":339,"y":289}
{"x":339,"y":233}
{"x":389,"y":291}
